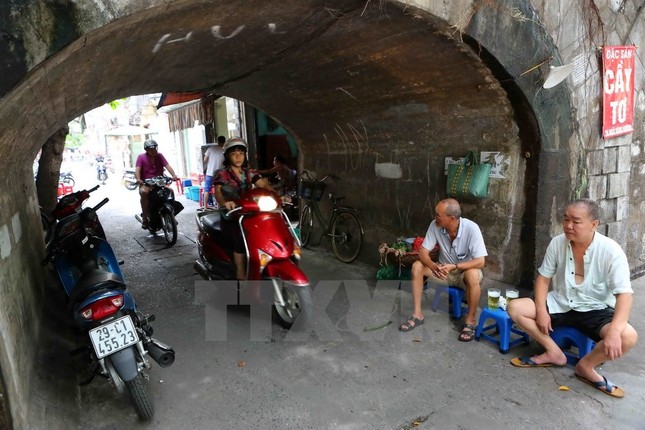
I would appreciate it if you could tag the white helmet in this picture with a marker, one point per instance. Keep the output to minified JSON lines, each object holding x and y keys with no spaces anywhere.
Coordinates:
{"x":235,"y":141}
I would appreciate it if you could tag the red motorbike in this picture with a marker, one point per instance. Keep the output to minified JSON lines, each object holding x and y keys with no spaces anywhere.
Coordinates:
{"x":272,"y":251}
{"x":68,"y":205}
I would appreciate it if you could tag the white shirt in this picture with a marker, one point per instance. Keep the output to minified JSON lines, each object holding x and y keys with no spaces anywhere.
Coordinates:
{"x":468,"y":245}
{"x":215,"y":156}
{"x":606,"y":274}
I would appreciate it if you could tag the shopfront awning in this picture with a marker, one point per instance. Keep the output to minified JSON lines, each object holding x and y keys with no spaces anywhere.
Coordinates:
{"x":185,"y":116}
{"x":168,"y":99}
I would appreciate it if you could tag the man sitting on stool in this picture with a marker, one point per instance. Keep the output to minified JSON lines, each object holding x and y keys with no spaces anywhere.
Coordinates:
{"x":461,"y":257}
{"x":592,"y":293}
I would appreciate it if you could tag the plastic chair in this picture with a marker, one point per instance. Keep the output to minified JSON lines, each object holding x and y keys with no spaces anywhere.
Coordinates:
{"x":566,"y":337}
{"x":503,"y":327}
{"x":180,"y":186}
{"x":64,"y":189}
{"x":455,"y":306}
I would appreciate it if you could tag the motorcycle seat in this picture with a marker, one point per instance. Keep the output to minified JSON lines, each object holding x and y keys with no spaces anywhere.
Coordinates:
{"x":212,"y":223}
{"x":93,"y":281}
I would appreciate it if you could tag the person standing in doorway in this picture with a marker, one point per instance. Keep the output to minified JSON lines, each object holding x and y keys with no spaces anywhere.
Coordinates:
{"x":214,"y":160}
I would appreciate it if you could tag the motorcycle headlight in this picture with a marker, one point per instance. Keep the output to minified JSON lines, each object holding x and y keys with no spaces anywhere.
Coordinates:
{"x":266,"y":203}
{"x":69,"y":227}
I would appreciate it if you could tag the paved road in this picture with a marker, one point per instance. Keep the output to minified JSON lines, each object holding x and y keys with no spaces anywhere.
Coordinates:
{"x":356,"y":371}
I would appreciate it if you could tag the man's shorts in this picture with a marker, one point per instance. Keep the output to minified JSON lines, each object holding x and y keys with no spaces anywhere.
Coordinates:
{"x":455,"y":278}
{"x":589,"y":323}
{"x":208,"y":183}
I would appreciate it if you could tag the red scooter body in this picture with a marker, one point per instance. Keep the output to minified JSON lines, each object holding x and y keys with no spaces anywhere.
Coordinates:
{"x":272,"y":248}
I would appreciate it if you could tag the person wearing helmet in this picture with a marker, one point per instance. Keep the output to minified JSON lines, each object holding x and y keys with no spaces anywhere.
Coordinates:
{"x":230,"y":181}
{"x":148,"y":165}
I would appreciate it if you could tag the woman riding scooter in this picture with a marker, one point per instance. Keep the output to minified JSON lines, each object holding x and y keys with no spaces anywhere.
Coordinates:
{"x":229,"y":182}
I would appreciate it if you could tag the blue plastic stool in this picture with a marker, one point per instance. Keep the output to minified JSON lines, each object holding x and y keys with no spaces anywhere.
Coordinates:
{"x":503,"y":326}
{"x":456,"y":306}
{"x":566,"y":337}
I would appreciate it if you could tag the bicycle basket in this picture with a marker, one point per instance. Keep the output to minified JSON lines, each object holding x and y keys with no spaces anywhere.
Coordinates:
{"x":312,"y":189}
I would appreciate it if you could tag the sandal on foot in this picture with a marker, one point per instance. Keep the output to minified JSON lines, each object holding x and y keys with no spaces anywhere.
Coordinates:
{"x":606,"y":386}
{"x":411,"y":324}
{"x":528,"y":362}
{"x":467,"y":333}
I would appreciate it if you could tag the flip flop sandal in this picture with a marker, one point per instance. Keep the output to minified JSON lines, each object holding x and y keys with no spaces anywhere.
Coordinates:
{"x":528,"y":362}
{"x":606,"y":386}
{"x":467,"y":333}
{"x":409,"y":327}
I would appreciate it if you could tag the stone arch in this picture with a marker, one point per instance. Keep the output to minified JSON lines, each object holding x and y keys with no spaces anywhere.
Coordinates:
{"x":405,"y":91}
{"x":550,"y":181}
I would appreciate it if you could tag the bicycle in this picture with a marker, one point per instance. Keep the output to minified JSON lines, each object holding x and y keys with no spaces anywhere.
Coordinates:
{"x":343,"y":226}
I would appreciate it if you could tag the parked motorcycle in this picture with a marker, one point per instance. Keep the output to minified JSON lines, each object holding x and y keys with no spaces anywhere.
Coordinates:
{"x":66,"y":178}
{"x":129,"y":179}
{"x":101,"y":171}
{"x":162,"y":208}
{"x":272,"y":252}
{"x":117,"y":337}
{"x":73,"y":203}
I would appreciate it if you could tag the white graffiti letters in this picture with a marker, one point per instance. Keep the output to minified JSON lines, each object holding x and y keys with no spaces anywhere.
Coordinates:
{"x":216,"y":31}
{"x":164,"y":40}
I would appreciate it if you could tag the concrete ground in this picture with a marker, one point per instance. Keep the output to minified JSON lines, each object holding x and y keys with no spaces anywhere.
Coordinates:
{"x":355,"y":371}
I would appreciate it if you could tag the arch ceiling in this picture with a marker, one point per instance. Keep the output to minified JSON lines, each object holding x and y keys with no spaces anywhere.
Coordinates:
{"x":311,"y":64}
{"x":356,"y":83}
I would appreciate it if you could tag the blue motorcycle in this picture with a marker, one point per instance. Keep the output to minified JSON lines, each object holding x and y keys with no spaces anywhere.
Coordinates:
{"x":119,"y":337}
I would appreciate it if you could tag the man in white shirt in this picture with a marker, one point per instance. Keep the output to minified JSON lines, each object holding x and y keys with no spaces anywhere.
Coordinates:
{"x":214,"y":159}
{"x":591,"y":292}
{"x":462,"y":255}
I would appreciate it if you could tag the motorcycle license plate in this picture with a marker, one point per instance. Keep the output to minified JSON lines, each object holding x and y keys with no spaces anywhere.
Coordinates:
{"x":113,"y":336}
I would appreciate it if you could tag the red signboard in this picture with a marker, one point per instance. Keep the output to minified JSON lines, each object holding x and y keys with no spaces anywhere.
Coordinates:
{"x":618,"y":90}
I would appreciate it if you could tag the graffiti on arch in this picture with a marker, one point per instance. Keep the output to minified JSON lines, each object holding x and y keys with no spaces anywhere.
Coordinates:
{"x":216,"y":31}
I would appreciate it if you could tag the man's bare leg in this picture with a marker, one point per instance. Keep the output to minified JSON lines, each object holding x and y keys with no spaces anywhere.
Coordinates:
{"x":473,"y":293}
{"x":586,"y":367}
{"x":523,"y":313}
{"x":419,"y":272}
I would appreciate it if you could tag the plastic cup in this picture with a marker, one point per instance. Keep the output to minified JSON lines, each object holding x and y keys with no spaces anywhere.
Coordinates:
{"x":511,"y":294}
{"x":493,"y":298}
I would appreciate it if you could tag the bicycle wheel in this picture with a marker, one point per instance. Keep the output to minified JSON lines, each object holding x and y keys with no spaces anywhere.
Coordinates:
{"x":306,"y":224}
{"x":346,"y":236}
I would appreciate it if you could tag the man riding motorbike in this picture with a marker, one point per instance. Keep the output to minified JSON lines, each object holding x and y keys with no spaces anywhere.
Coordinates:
{"x":148,"y":165}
